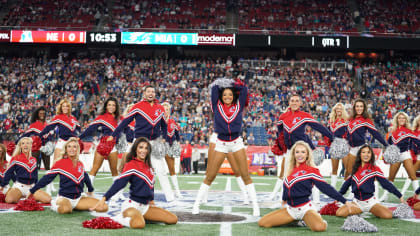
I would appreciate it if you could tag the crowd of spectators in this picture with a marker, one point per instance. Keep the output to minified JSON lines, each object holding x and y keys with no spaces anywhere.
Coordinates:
{"x":29,"y":82}
{"x":74,"y":14}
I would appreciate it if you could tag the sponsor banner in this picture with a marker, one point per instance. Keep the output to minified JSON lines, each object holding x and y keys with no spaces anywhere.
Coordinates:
{"x":153,"y":38}
{"x":4,"y":36}
{"x":28,"y":36}
{"x":216,"y":39}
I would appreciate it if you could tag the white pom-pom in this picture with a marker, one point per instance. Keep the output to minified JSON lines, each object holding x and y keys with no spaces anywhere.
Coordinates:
{"x":392,"y":154}
{"x":122,"y":144}
{"x":222,"y":83}
{"x":339,"y":148}
{"x":358,"y":224}
{"x":158,"y":149}
{"x":176,"y":150}
{"x":48,"y":148}
{"x":318,"y":155}
{"x":403,"y":211}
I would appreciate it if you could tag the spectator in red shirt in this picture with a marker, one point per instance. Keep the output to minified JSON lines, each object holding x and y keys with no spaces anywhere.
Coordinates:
{"x":186,"y":157}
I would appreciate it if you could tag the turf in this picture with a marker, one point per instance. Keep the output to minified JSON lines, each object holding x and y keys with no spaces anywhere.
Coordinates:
{"x":50,"y":223}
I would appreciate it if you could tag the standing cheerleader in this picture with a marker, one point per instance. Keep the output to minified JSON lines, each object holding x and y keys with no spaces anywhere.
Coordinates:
{"x":22,"y":167}
{"x":172,"y":140}
{"x":301,"y":175}
{"x":228,"y":102}
{"x":106,"y":122}
{"x":67,"y":125}
{"x":149,"y":123}
{"x":140,"y":205}
{"x":3,"y":164}
{"x":359,"y":123}
{"x":338,"y":126}
{"x":402,"y":136}
{"x":37,"y":125}
{"x":292,"y":125}
{"x":361,"y":180}
{"x":72,"y":180}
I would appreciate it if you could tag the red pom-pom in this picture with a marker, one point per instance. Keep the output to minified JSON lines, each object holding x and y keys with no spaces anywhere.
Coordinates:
{"x":276,"y":150}
{"x":411,"y":201}
{"x":82,"y":146}
{"x":105,"y":147}
{"x":279,"y":147}
{"x":329,"y":209}
{"x":102,"y":223}
{"x":239,"y":82}
{"x":2,"y":197}
{"x":36,"y":143}
{"x":10,"y":148}
{"x":28,"y":205}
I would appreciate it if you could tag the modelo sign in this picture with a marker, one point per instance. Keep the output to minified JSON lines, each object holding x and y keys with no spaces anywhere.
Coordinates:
{"x":216,"y":39}
{"x":27,"y":36}
{"x":4,"y":36}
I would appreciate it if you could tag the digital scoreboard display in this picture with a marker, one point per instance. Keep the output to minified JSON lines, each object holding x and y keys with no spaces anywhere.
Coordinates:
{"x":30,"y":36}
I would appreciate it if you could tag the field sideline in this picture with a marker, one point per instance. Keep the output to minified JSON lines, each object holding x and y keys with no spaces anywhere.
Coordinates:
{"x":224,"y":197}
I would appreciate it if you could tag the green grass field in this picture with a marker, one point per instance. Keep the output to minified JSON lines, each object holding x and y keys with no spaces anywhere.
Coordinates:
{"x":224,"y":192}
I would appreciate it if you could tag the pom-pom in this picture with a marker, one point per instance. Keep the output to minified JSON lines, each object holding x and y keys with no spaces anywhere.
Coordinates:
{"x":339,"y":148}
{"x":357,"y":224}
{"x":318,"y":155}
{"x":10,"y":148}
{"x":105,"y":147}
{"x":175,"y":150}
{"x":329,"y":209}
{"x":28,"y":205}
{"x":222,"y":83}
{"x":158,"y":149}
{"x":36,"y":143}
{"x":403,"y":211}
{"x":82,"y":146}
{"x":392,"y":154}
{"x":102,"y":223}
{"x":411,"y":201}
{"x":239,"y":82}
{"x":48,"y":149}
{"x":2,"y":197}
{"x":121,"y":146}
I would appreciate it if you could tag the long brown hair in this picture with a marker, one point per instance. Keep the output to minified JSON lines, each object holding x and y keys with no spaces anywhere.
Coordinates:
{"x":3,"y":154}
{"x":133,"y":151}
{"x":365,"y":113}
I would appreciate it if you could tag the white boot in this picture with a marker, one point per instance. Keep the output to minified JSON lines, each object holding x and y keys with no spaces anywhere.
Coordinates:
{"x":166,"y":187}
{"x":205,"y":197}
{"x":52,"y":187}
{"x":415,"y":184}
{"x":376,"y":193}
{"x":316,"y":197}
{"x":333,"y":180}
{"x":243,"y":190}
{"x":174,"y":180}
{"x":277,"y":187}
{"x":253,"y":195}
{"x":196,"y":207}
{"x":406,"y":186}
{"x":48,"y":189}
{"x":92,"y":179}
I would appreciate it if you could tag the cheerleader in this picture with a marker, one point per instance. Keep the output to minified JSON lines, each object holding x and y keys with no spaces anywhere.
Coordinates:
{"x":361,"y":180}
{"x":292,"y":127}
{"x":3,"y":162}
{"x":37,"y":125}
{"x":172,"y":140}
{"x":149,"y":123}
{"x":301,"y":175}
{"x":67,"y":125}
{"x":106,"y":122}
{"x":72,"y":180}
{"x":403,"y":137}
{"x":140,"y":205}
{"x":338,"y":126}
{"x":22,"y":167}
{"x":416,"y":148}
{"x":359,"y":122}
{"x":228,"y":104}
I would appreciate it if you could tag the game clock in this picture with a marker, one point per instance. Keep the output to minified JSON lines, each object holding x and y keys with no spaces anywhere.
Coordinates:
{"x":103,"y":37}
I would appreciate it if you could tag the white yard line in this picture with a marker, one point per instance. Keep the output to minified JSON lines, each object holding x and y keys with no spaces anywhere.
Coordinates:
{"x":226,"y":227}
